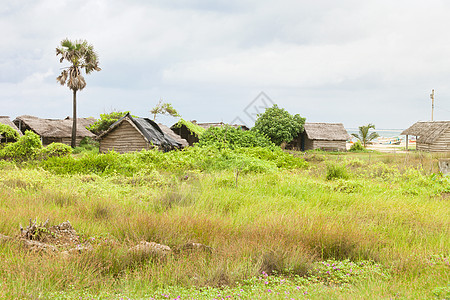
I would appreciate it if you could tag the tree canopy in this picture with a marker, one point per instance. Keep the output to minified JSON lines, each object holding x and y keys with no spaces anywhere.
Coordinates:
{"x":279,"y":125}
{"x":163,"y":108}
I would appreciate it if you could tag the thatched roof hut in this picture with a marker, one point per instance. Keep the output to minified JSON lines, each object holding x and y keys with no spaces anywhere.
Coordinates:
{"x":220,"y":124}
{"x":325,"y":136}
{"x":7,"y":121}
{"x":433,"y":136}
{"x":130,"y":134}
{"x":53,"y":130}
{"x":167,"y":131}
{"x":189,"y":131}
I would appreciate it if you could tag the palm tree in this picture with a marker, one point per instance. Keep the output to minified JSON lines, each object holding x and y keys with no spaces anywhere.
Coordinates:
{"x":80,"y":55}
{"x":364,"y":137}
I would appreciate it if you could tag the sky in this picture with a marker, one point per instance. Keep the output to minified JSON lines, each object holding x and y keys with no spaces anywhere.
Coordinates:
{"x":349,"y":61}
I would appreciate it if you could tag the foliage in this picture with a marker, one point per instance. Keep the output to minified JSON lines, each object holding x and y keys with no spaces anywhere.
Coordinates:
{"x":357,"y":147}
{"x":230,"y":137}
{"x":336,"y":171}
{"x":193,"y":128}
{"x":279,"y":125}
{"x":55,"y":150}
{"x":8,"y":132}
{"x":87,"y":144}
{"x":27,"y":147}
{"x":364,"y":137}
{"x":163,"y":108}
{"x":105,"y":121}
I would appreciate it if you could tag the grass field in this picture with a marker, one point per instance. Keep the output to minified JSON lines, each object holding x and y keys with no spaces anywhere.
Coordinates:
{"x":342,"y":226}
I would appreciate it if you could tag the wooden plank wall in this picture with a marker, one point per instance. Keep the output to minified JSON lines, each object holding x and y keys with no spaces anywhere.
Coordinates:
{"x":442,"y":144}
{"x":329,"y":145}
{"x":124,"y":138}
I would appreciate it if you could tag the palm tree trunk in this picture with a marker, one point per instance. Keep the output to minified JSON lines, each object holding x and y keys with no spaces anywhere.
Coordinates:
{"x":74,"y":124}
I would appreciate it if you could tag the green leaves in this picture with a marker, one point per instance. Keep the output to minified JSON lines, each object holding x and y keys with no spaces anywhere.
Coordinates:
{"x":230,"y":137}
{"x":364,"y":137}
{"x":279,"y":125}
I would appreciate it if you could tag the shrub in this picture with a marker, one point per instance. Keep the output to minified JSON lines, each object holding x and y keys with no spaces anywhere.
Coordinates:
{"x":105,"y":121}
{"x":55,"y":150}
{"x":336,"y":171}
{"x":279,"y":125}
{"x":87,"y":144}
{"x":230,"y":137}
{"x":8,"y":132}
{"x":357,"y":147}
{"x":27,"y":147}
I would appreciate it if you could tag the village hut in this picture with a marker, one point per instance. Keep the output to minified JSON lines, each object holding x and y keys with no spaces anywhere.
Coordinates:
{"x":324,"y":136}
{"x":130,"y":134}
{"x":54,"y":130}
{"x":189,"y":131}
{"x":431,"y":136}
{"x":221,"y":124}
{"x":7,"y":121}
{"x":167,"y":131}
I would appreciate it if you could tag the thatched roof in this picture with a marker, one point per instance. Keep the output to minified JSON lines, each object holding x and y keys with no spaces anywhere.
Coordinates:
{"x":326,"y":131}
{"x":167,"y":131}
{"x":5,"y":120}
{"x":55,"y":128}
{"x":148,"y":128}
{"x":427,"y":132}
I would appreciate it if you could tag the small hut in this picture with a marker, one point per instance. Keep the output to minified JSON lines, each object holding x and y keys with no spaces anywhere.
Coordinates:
{"x":431,"y":136}
{"x":54,"y":130}
{"x":221,"y":124}
{"x":130,"y":134}
{"x":325,"y":136}
{"x":7,"y":121}
{"x":189,"y":131}
{"x":167,"y":131}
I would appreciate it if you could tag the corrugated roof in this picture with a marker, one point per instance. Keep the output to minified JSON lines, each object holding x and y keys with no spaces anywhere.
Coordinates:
{"x":56,"y":128}
{"x":7,"y":121}
{"x":326,"y":131}
{"x":427,"y":132}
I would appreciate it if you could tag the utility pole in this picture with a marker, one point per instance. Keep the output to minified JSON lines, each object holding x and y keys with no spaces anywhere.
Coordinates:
{"x":432,"y":103}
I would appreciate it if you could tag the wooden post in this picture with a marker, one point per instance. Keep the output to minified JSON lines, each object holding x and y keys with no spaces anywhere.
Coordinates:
{"x":406,"y":142}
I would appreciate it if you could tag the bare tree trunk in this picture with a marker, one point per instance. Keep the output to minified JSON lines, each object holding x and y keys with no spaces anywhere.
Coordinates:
{"x":74,"y":124}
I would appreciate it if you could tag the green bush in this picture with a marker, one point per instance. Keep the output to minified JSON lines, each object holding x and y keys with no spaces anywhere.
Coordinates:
{"x":87,"y":144}
{"x":105,"y":121}
{"x":336,"y":171}
{"x":55,"y":150}
{"x":9,"y":133}
{"x":27,"y":147}
{"x":357,"y":147}
{"x":230,"y":137}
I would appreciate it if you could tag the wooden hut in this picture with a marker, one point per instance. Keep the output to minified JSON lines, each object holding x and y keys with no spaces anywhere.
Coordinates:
{"x":325,"y":136}
{"x":167,"y":131}
{"x":130,"y":134}
{"x":54,"y":130}
{"x":189,"y":131}
{"x":220,"y":124}
{"x":7,"y":121}
{"x":432,"y":136}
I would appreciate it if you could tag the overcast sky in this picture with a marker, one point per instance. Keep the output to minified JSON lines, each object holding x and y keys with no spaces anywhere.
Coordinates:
{"x":348,"y":61}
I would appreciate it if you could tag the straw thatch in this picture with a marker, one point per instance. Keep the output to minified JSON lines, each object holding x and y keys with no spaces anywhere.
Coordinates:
{"x":325,"y":136}
{"x":130,"y":134}
{"x":7,"y":121}
{"x":53,"y":130}
{"x":432,"y":135}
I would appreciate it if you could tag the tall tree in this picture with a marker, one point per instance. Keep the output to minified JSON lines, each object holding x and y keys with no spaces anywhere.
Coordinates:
{"x":163,"y":108}
{"x":364,"y":137}
{"x":81,"y":56}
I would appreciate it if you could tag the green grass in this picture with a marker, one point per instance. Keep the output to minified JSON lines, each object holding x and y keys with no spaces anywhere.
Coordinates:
{"x":276,"y":231}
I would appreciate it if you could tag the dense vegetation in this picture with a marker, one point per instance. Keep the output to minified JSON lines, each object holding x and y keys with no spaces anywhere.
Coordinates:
{"x":230,"y":137}
{"x":279,"y":125}
{"x":303,"y":225}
